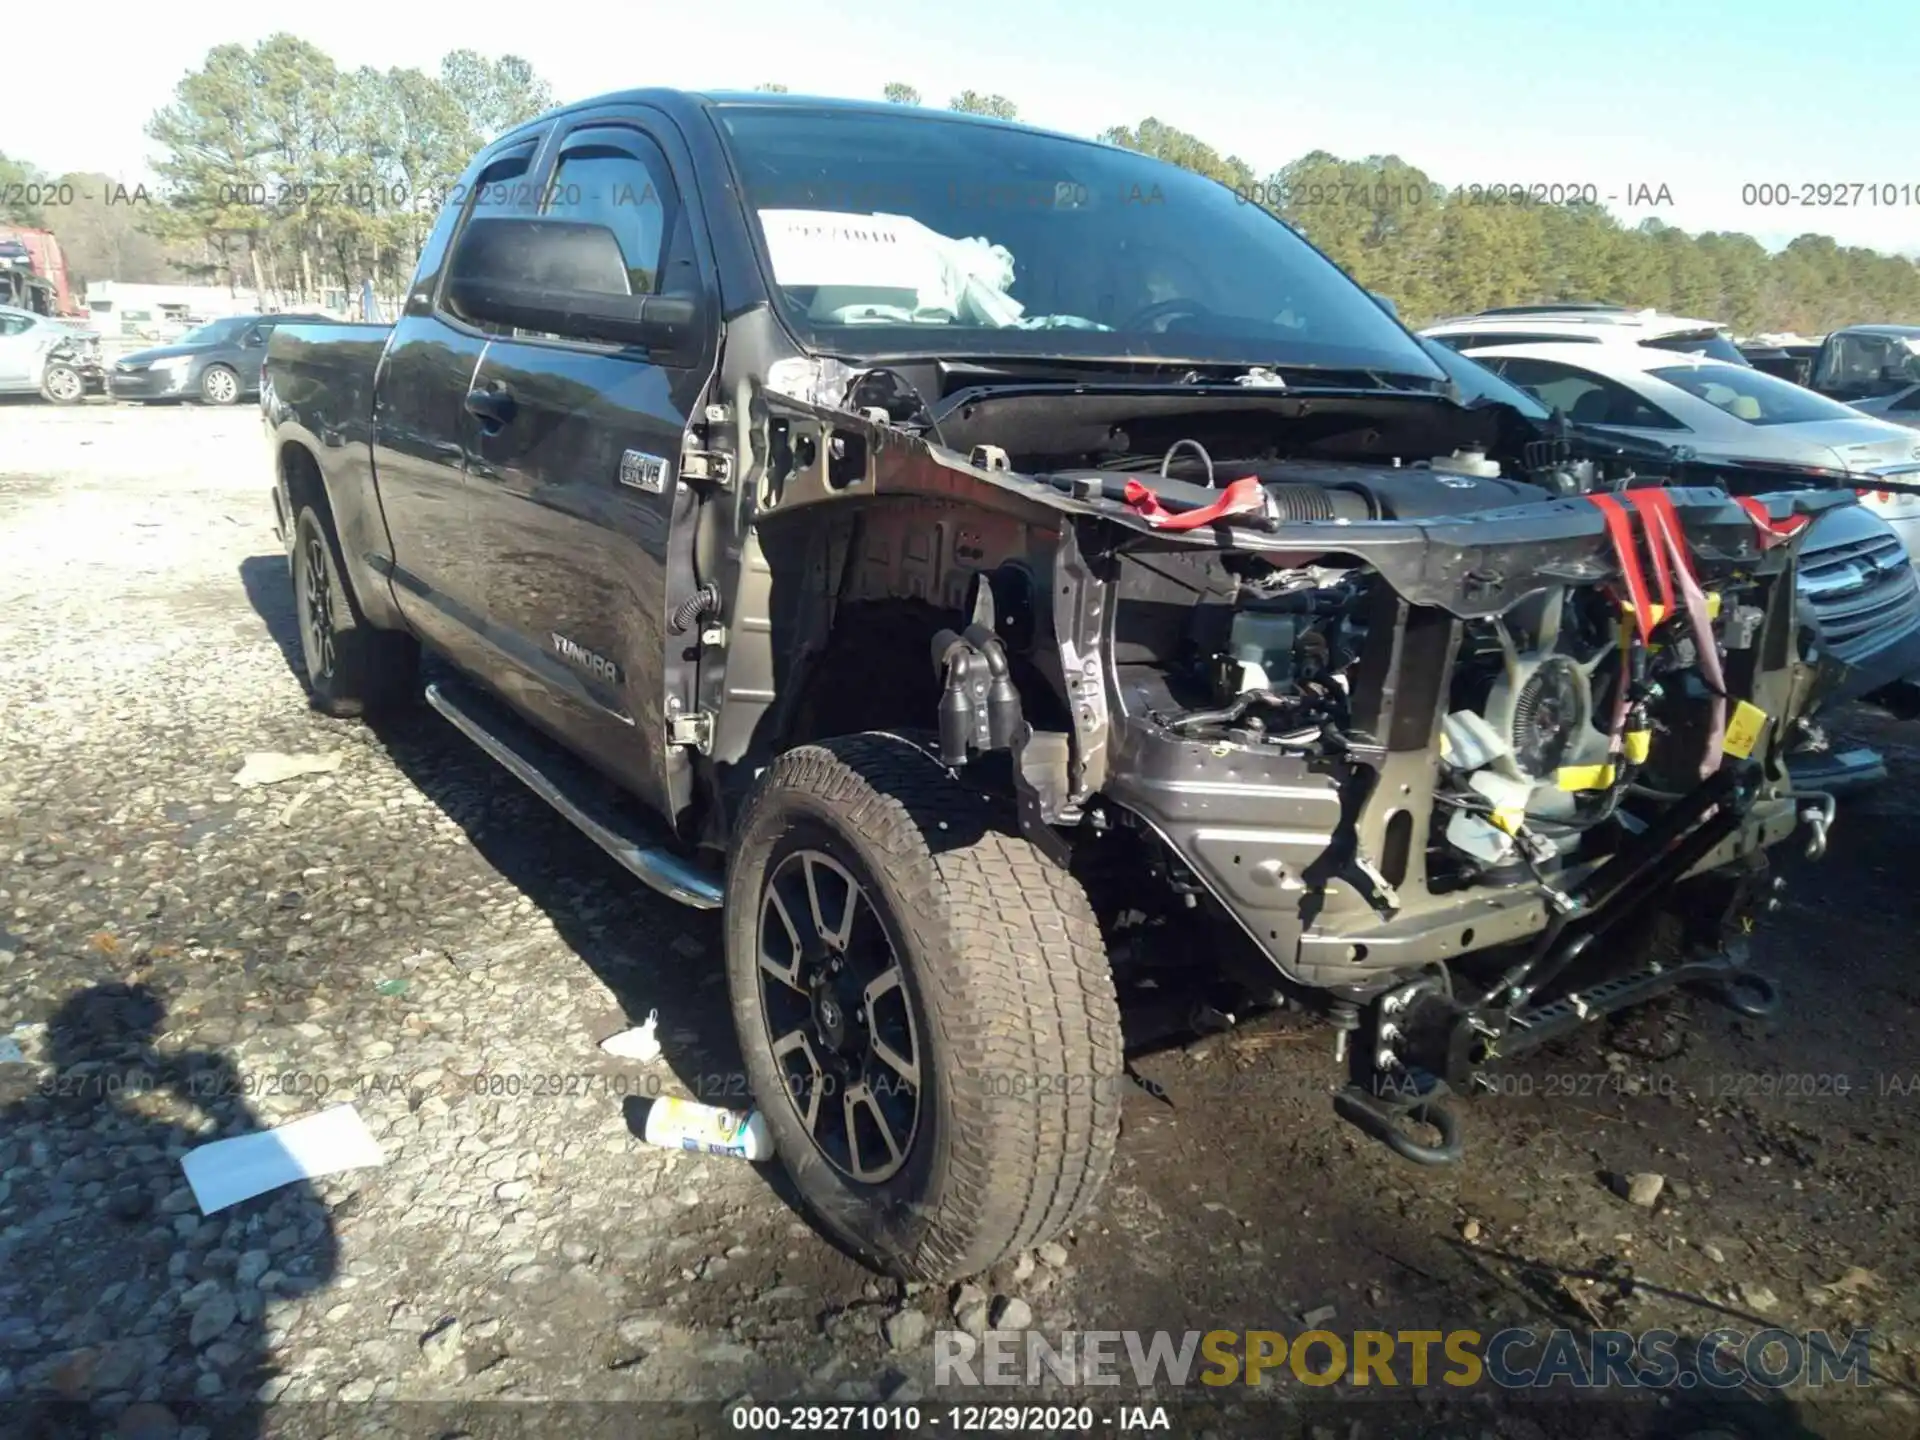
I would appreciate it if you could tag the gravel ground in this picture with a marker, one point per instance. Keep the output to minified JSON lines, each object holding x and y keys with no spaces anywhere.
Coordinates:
{"x":183,"y":957}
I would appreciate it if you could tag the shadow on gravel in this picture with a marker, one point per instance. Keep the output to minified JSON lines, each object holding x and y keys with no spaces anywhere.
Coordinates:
{"x":123,"y":1310}
{"x":1721,"y":1361}
{"x":270,"y":592}
{"x":650,"y":953}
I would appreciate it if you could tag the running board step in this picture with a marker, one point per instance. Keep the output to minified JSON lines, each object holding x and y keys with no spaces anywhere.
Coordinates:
{"x":495,"y":732}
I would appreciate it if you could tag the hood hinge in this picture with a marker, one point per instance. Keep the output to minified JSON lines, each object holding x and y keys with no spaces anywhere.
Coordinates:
{"x":711,"y":466}
{"x":715,"y":467}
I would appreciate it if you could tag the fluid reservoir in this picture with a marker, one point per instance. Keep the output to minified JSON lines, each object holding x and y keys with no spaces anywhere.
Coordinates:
{"x":1467,"y":462}
{"x":1264,"y":642}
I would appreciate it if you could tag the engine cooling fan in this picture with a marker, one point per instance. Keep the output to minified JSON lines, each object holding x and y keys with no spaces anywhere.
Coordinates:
{"x":1551,"y":708}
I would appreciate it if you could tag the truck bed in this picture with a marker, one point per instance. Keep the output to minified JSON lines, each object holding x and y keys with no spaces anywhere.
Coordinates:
{"x":324,"y":374}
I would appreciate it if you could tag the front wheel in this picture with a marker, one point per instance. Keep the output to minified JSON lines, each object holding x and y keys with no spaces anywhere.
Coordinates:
{"x":925,"y":1009}
{"x":63,"y":385}
{"x":219,"y":385}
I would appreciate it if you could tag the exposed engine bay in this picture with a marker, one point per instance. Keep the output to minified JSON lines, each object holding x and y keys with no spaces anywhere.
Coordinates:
{"x":1419,"y":701}
{"x":1556,"y":719}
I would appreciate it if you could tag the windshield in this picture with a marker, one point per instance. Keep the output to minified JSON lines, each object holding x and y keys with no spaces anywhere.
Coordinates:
{"x":1753,"y":395}
{"x":1479,"y":385}
{"x":908,"y":233}
{"x":211,"y":333}
{"x":1711,"y":343}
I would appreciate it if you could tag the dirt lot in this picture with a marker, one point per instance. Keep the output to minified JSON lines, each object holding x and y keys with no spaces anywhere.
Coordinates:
{"x":182,"y":957}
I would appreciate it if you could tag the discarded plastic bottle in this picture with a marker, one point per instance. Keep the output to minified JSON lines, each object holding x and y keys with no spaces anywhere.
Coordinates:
{"x":677,"y":1124}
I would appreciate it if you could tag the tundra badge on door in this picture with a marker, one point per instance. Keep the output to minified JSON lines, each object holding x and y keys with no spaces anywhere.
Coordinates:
{"x":574,"y":653}
{"x":643,"y":471}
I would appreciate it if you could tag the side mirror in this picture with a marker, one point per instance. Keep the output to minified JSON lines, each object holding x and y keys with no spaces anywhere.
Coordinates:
{"x":1385,"y":304}
{"x":563,"y":277}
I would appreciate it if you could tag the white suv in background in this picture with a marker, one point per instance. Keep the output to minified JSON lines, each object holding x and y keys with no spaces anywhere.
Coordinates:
{"x":1586,"y":324}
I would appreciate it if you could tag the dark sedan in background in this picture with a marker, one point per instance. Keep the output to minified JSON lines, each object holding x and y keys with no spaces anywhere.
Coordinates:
{"x":218,"y":363}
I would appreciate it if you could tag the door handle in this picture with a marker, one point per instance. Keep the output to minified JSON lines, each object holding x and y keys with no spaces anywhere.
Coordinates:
{"x":492,"y":406}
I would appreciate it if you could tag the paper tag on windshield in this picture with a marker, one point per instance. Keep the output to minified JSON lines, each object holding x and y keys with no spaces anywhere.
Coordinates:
{"x":826,"y":247}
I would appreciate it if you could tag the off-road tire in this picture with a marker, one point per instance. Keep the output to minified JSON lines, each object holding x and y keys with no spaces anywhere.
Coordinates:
{"x":363,"y":671}
{"x":1007,"y":975}
{"x":219,"y":385}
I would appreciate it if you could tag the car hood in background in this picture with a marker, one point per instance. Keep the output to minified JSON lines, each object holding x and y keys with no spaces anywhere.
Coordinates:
{"x":1880,"y":407}
{"x":163,"y":352}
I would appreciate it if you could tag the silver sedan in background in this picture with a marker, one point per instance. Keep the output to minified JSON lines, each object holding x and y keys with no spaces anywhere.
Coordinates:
{"x":1718,"y":410}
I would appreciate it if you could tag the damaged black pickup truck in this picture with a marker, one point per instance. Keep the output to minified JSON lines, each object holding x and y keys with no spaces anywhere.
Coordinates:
{"x":961,"y":554}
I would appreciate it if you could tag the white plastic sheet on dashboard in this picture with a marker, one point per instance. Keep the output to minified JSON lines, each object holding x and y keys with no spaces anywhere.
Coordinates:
{"x":889,"y":269}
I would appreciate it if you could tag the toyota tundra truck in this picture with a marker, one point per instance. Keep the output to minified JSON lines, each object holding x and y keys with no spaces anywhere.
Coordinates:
{"x":971,"y":559}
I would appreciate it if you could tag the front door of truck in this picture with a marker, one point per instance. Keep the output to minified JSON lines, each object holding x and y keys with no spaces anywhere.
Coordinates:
{"x":421,"y":425}
{"x":574,"y":468}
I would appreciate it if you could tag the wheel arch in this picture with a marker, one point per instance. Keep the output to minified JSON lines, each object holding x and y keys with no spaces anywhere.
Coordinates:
{"x":301,"y":480}
{"x":838,"y":638}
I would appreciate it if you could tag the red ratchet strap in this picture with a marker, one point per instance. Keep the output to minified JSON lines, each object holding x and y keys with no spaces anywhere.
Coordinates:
{"x":1239,"y":498}
{"x":1620,"y":531}
{"x":1656,"y":513}
{"x":1665,"y":532}
{"x":1771,"y":534}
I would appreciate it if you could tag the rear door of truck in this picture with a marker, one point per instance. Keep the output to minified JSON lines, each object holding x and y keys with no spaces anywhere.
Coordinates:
{"x":574,"y":483}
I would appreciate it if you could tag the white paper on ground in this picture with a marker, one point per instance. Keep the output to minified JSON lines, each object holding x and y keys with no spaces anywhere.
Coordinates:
{"x":270,"y":767}
{"x":228,"y":1171}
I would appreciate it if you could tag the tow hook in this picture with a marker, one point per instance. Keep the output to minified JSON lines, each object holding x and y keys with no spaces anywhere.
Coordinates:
{"x":1749,"y":993}
{"x":1817,"y":816}
{"x":1386,"y":1114}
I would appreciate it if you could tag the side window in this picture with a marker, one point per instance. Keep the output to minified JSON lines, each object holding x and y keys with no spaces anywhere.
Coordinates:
{"x":1587,"y":399}
{"x":498,"y":188}
{"x":1859,"y":359}
{"x":620,"y":179}
{"x":15,"y":324}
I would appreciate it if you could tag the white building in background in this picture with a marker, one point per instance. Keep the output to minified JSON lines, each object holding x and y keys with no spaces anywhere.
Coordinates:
{"x":162,"y":311}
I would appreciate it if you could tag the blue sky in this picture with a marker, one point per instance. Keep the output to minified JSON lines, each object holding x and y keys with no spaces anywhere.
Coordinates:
{"x":1701,"y":97}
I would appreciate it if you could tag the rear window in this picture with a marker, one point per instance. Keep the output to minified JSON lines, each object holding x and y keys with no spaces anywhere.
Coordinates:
{"x":1710,"y":343}
{"x":1753,"y":395}
{"x":212,"y":333}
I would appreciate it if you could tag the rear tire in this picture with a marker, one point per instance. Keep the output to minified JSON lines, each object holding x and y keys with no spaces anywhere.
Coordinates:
{"x":977,"y":969}
{"x":352,"y":668}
